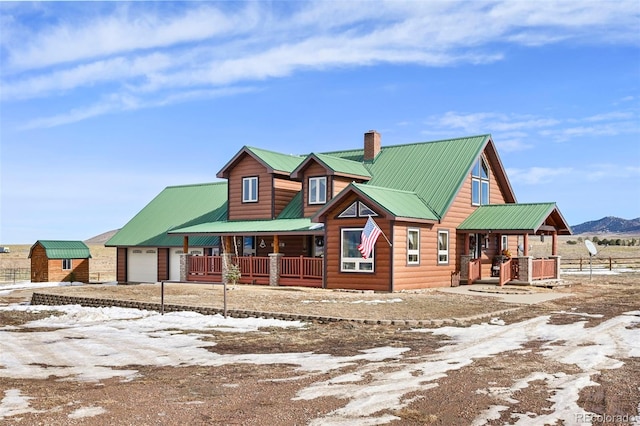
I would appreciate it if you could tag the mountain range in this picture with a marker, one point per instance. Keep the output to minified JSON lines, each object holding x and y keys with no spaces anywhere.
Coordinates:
{"x":608,"y":225}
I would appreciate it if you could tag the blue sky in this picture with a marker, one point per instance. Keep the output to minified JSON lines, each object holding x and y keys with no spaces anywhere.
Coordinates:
{"x":105,"y":104}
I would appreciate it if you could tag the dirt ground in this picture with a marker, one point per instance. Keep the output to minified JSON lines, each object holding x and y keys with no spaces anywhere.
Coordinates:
{"x":245,"y":394}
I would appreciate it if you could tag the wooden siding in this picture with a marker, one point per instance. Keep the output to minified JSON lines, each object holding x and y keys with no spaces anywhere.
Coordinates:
{"x":39,"y":265}
{"x":283,"y":192}
{"x":294,"y":245}
{"x":44,"y":269}
{"x":313,"y":170}
{"x":339,"y":183}
{"x":274,"y":192}
{"x":163,"y":264}
{"x":121,"y":264}
{"x":429,"y":273}
{"x":262,"y":209}
{"x":380,"y":280}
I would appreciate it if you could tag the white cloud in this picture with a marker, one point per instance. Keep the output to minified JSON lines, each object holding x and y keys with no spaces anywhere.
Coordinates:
{"x":514,"y":132}
{"x":537,"y":175}
{"x":127,"y":102}
{"x":124,"y":30}
{"x":136,"y":49}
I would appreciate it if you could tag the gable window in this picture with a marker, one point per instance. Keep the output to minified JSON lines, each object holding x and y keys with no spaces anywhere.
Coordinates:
{"x":317,"y":190}
{"x":480,"y":183}
{"x":413,"y":246}
{"x":357,"y":209}
{"x":66,"y":264}
{"x":351,"y":259}
{"x":443,"y":247}
{"x":250,"y":189}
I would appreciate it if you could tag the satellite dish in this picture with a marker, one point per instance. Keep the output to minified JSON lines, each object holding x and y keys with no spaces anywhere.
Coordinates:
{"x":592,"y":248}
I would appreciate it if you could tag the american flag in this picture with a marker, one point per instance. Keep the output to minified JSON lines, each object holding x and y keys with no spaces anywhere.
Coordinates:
{"x":370,"y":234}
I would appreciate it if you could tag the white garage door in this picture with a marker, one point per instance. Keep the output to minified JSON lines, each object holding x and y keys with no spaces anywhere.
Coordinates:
{"x":142,"y":265}
{"x":174,"y":261}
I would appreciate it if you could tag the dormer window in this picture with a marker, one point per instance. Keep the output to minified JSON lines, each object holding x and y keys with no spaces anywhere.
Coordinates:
{"x":480,"y":183}
{"x":250,"y":189}
{"x":318,"y":190}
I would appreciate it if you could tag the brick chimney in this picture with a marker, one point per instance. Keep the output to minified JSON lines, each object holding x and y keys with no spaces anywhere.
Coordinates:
{"x":371,"y":145}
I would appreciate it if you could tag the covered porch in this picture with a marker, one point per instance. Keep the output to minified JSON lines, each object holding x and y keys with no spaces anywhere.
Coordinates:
{"x":496,"y":244}
{"x":279,"y":252}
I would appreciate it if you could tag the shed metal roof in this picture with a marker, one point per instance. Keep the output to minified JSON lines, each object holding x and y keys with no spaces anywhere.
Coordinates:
{"x":57,"y":249}
{"x":175,"y":207}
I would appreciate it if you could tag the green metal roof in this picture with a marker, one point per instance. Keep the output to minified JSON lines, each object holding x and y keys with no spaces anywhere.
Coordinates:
{"x":434,"y":171}
{"x":508,"y":217}
{"x":174,"y":207}
{"x":56,"y":249}
{"x":252,"y":227}
{"x":293,"y":210}
{"x":277,"y":161}
{"x":403,"y":204}
{"x":338,"y":165}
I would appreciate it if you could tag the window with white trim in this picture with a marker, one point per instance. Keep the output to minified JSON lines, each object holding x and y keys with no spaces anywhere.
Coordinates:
{"x":351,"y":259}
{"x":443,"y":247}
{"x":413,"y":246}
{"x":317,"y":190}
{"x":505,"y":242}
{"x":480,"y":183}
{"x":66,"y":264}
{"x":250,"y":189}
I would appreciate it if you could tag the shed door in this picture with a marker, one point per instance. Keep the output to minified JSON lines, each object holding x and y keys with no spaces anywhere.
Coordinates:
{"x":142,"y":265}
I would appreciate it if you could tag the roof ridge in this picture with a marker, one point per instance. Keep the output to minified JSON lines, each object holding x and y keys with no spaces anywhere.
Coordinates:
{"x":383,"y":147}
{"x":520,"y":204}
{"x":186,"y":185}
{"x":274,"y":152}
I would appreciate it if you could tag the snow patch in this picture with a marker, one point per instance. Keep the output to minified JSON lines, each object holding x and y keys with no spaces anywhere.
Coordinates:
{"x":85,"y":412}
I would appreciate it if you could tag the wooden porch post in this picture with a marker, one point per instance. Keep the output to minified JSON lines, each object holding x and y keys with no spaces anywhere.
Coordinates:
{"x":185,"y":244}
{"x":554,"y":243}
{"x":525,"y":243}
{"x":276,"y":244}
{"x":226,"y":244}
{"x":467,"y":240}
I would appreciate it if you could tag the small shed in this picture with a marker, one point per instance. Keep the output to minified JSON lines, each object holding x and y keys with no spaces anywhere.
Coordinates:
{"x":57,"y":261}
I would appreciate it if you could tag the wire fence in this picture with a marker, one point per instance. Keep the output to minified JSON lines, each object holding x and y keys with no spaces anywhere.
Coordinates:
{"x":13,"y":275}
{"x":609,"y":263}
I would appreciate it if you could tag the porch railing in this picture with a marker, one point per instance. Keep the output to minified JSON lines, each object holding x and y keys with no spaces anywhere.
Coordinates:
{"x":506,"y":272}
{"x":252,"y":267}
{"x":474,"y":271}
{"x":256,"y":270}
{"x":543,"y":269}
{"x":301,"y":267}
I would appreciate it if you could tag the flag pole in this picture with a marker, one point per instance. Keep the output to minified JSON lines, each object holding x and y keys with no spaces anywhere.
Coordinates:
{"x":382,"y":232}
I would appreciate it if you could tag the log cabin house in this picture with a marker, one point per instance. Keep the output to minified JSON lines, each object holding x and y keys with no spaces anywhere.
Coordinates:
{"x":59,"y":261}
{"x":446,"y":209}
